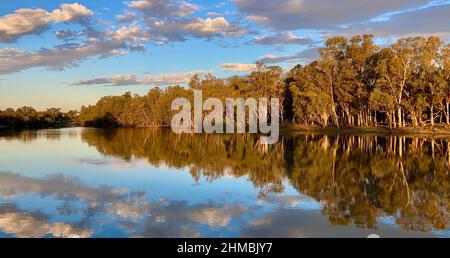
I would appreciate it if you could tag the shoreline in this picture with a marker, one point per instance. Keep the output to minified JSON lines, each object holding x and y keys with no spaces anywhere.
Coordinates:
{"x":441,"y":130}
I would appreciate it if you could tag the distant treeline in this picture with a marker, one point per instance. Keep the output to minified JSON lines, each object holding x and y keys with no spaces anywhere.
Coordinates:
{"x":354,"y":83}
{"x":28,"y":117}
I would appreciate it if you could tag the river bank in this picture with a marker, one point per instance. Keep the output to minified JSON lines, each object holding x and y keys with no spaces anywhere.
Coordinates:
{"x":439,"y":130}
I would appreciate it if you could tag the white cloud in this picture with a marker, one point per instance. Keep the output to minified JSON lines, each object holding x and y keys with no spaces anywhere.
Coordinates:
{"x":282,"y":39}
{"x":70,"y":12}
{"x":237,"y":67}
{"x":258,"y":19}
{"x":161,"y":8}
{"x":35,"y":21}
{"x":208,"y":26}
{"x":432,"y":20}
{"x":60,"y":57}
{"x":175,"y":20}
{"x":181,"y":29}
{"x":137,"y":48}
{"x":213,"y":14}
{"x":68,"y":34}
{"x":99,"y":44}
{"x":304,"y":56}
{"x":126,"y":17}
{"x":131,"y":33}
{"x":131,"y":79}
{"x":318,"y":14}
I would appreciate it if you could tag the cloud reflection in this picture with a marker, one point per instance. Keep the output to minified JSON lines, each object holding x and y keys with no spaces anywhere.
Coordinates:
{"x":33,"y":224}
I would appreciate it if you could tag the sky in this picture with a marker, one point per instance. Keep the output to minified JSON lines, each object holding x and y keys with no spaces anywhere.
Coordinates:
{"x":67,"y":54}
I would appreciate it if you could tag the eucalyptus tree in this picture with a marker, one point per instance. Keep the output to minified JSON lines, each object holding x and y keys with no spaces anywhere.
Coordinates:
{"x":445,"y":62}
{"x":329,"y":66}
{"x":429,"y":58}
{"x":359,"y":51}
{"x":395,"y":69}
{"x":312,"y":98}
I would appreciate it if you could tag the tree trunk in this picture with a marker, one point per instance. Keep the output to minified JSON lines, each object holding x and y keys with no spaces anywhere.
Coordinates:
{"x":400,"y":118}
{"x":421,"y":123}
{"x":349,"y":119}
{"x":414,"y":120}
{"x":375,"y":119}
{"x":404,"y":118}
{"x":389,"y":118}
{"x":432,"y":115}
{"x":394,"y":122}
{"x":325,"y":119}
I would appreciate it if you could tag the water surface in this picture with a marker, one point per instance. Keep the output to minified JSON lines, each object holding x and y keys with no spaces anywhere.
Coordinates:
{"x":151,"y":183}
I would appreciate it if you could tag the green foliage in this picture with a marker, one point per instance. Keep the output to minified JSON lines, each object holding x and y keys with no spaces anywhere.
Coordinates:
{"x":154,"y":109}
{"x":28,"y":117}
{"x":355,"y":83}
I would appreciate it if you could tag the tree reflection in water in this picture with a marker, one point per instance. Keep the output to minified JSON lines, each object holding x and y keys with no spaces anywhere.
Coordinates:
{"x":357,"y":178}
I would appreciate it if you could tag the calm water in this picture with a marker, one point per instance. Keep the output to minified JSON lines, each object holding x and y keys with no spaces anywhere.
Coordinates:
{"x":150,"y":183}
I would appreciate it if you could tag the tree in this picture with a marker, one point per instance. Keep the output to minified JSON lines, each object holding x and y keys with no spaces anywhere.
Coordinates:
{"x":445,"y":64}
{"x":330,"y":65}
{"x":394,"y":69}
{"x":431,"y":73}
{"x":312,"y":99}
{"x":360,"y":77}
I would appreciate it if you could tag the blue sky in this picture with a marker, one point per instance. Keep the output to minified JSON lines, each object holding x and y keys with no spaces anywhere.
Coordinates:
{"x":70,"y":53}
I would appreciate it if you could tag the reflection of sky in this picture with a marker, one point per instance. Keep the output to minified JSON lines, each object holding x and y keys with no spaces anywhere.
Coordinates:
{"x":67,"y":188}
